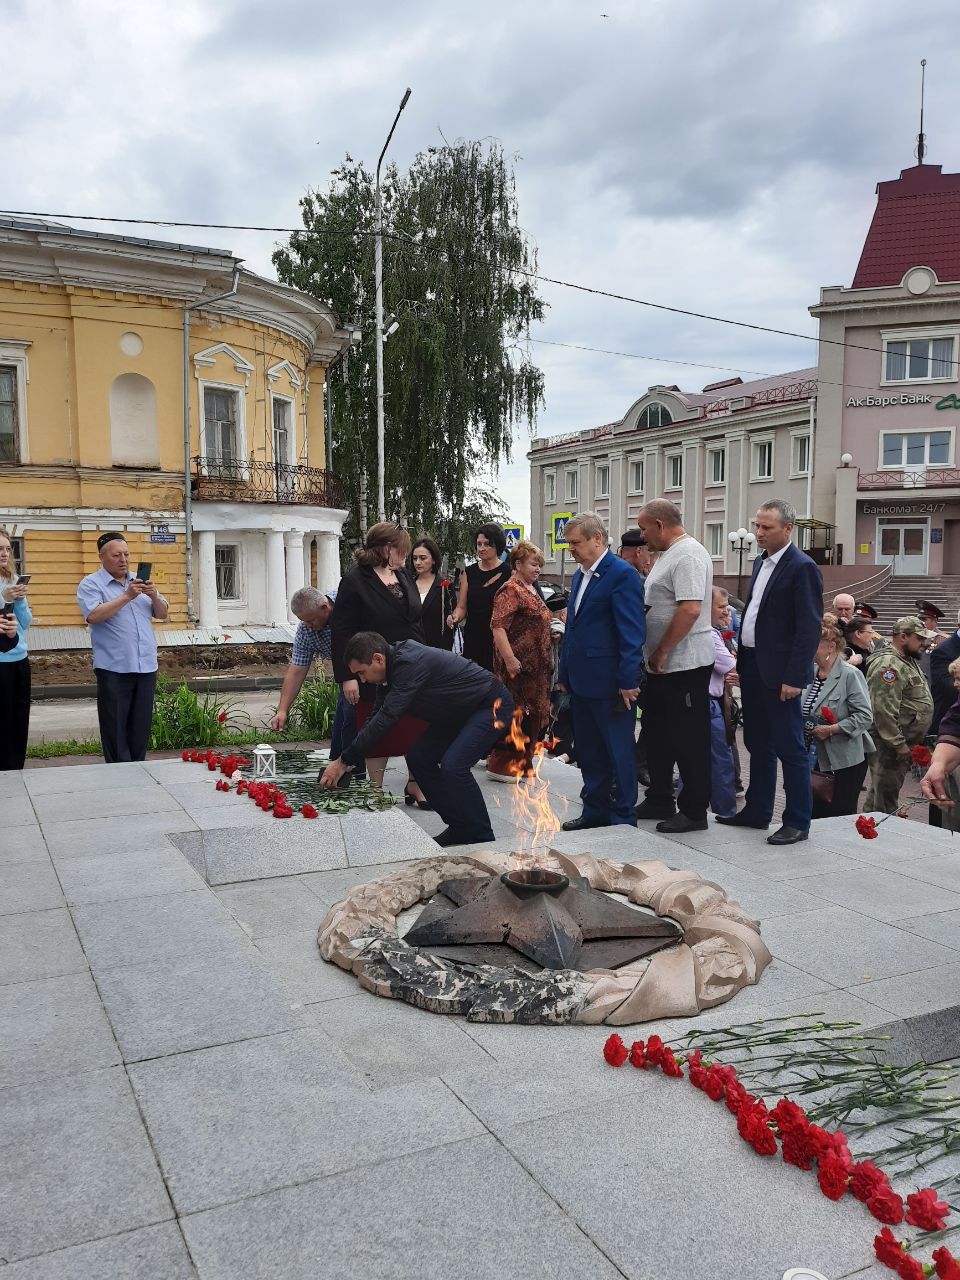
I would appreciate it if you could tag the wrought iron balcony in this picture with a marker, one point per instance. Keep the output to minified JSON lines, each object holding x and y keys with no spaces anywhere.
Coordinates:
{"x":931,"y":478}
{"x":234,"y":480}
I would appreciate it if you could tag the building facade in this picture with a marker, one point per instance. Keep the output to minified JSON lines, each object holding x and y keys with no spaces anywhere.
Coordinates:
{"x":162,"y":390}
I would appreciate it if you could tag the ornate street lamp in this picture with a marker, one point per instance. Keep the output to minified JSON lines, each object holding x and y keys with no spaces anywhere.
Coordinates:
{"x":741,"y":540}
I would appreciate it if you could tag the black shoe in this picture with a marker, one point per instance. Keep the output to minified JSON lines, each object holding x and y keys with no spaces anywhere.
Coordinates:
{"x":680,"y":823}
{"x":451,"y":836}
{"x":740,"y":820}
{"x":583,"y":824}
{"x":658,"y":811}
{"x":410,"y":800}
{"x":787,"y":835}
{"x":643,"y":778}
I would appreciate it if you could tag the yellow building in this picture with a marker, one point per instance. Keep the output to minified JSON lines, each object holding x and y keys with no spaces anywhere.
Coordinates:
{"x":127,"y":364}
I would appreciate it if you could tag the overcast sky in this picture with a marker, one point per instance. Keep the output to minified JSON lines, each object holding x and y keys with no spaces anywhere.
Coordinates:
{"x":720,"y":157}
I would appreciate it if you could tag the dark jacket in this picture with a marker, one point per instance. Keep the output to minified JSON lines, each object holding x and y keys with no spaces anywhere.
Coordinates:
{"x":431,"y":684}
{"x":365,"y":604}
{"x":437,"y":605}
{"x":787,"y":631}
{"x":603,"y":641}
{"x":941,"y":682}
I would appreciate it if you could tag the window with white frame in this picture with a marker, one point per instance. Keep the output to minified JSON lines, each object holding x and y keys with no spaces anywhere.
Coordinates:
{"x":716,"y":466}
{"x":284,"y":448}
{"x":17,"y":548}
{"x":9,"y":415}
{"x":800,"y":460}
{"x":226,"y":561}
{"x":549,"y":486}
{"x":220,"y":417}
{"x":636,"y":475}
{"x":915,"y":448}
{"x":572,"y":481}
{"x":603,"y":481}
{"x":931,"y":358}
{"x":713,"y":539}
{"x":654,"y":415}
{"x":674,"y":476}
{"x":761,"y":454}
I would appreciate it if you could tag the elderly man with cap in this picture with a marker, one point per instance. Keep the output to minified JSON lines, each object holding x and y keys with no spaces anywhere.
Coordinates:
{"x":902,"y":709}
{"x":635,"y":549}
{"x":931,"y":618}
{"x":120,"y":611}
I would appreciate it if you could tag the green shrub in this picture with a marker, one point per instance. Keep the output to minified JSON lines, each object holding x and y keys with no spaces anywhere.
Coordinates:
{"x":182,"y":718}
{"x":311,"y":716}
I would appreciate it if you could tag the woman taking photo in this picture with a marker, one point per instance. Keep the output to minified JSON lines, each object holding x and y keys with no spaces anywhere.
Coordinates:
{"x":15,"y":617}
{"x":837,"y":716}
{"x":378,"y":595}
{"x":523,"y":658}
{"x":858,"y":633}
{"x":434,"y":592}
{"x":478,"y":585}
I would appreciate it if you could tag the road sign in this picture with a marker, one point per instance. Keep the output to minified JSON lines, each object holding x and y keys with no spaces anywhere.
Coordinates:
{"x":513,"y":534}
{"x":559,"y":528}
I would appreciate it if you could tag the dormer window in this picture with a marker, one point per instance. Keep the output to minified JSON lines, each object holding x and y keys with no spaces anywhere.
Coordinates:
{"x":654,"y":415}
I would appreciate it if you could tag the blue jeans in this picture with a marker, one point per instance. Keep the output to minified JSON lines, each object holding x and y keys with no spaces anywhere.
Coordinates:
{"x":343,"y":733}
{"x":773,"y":730}
{"x":723,"y":783}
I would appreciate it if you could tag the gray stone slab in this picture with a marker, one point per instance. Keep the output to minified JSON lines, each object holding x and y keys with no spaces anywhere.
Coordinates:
{"x":791,"y":862}
{"x":77,"y":1163}
{"x":190,"y":1002}
{"x":39,"y":944}
{"x":221,"y":817}
{"x":283,"y":905}
{"x":844,"y":947}
{"x":245,"y":1118}
{"x":151,"y":1253}
{"x":285,"y":847}
{"x":22,"y":844}
{"x":602,"y":1162}
{"x":897,"y":840}
{"x":940,"y":926}
{"x":372,"y":838}
{"x":564,"y":1048}
{"x":881,"y":893}
{"x":12,"y":785}
{"x":62,"y":779}
{"x":936,"y":1034}
{"x":478,"y":1216}
{"x":623,"y":844}
{"x":296,"y":962}
{"x":941,"y":869}
{"x":92,"y":836}
{"x":108,"y":877}
{"x":109,"y":801}
{"x":333,"y":886}
{"x":28,"y":886}
{"x":200,"y":792}
{"x":18,"y":811}
{"x":391,"y":1042}
{"x":53,"y":1026}
{"x":138,"y":930}
{"x":778,"y":983}
{"x":924,"y":991}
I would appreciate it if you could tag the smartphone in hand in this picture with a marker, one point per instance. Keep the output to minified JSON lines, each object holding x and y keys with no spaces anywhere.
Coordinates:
{"x":144,"y":569}
{"x":24,"y":579}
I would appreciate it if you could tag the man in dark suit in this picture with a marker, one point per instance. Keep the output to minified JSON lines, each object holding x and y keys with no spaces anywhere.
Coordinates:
{"x":600,"y":665}
{"x":941,"y":681}
{"x":779,"y":635}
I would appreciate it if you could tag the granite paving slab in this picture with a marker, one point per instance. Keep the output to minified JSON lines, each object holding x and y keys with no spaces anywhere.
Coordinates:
{"x":942,"y":869}
{"x":333,"y":886}
{"x":12,"y":785}
{"x":208,"y":997}
{"x":22,"y":844}
{"x":201,"y":792}
{"x":265,"y":907}
{"x":295,"y":960}
{"x":219,"y":817}
{"x":107,"y":877}
{"x":18,"y":811}
{"x":525,"y":1047}
{"x":150,"y":1253}
{"x":940,"y":926}
{"x":391,"y":1042}
{"x":882,"y":893}
{"x":87,"y":837}
{"x":39,"y":944}
{"x":53,"y":1026}
{"x":373,"y":838}
{"x":77,"y":1164}
{"x":245,"y":1118}
{"x":285,"y":847}
{"x":792,"y":862}
{"x":908,"y":994}
{"x":88,"y":777}
{"x":28,"y":886}
{"x":478,"y":1216}
{"x":137,"y":930}
{"x":105,"y":802}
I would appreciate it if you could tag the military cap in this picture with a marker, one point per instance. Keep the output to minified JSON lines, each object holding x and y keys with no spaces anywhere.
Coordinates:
{"x":928,"y":610}
{"x":864,"y":610}
{"x":913,"y":627}
{"x":557,"y":601}
{"x":633,"y":538}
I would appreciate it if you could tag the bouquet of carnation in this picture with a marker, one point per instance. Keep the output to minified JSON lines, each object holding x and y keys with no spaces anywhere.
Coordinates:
{"x":920,"y":758}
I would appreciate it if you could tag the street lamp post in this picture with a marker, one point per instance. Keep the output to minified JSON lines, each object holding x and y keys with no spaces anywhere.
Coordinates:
{"x":741,"y":540}
{"x":378,"y":272}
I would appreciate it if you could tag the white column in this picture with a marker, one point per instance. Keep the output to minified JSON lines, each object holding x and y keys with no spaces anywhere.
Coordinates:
{"x":276,"y":580}
{"x":207,"y":579}
{"x":307,"y":565}
{"x":295,"y":580}
{"x":328,"y":561}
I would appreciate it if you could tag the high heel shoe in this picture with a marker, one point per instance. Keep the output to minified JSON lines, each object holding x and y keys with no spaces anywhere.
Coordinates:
{"x":410,"y":800}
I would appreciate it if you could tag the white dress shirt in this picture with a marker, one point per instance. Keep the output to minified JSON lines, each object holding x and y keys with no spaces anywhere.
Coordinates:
{"x":748,"y":627}
{"x":587,"y":578}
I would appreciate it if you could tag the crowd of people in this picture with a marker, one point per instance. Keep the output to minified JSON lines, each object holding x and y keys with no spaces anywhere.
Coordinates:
{"x":641,"y":675}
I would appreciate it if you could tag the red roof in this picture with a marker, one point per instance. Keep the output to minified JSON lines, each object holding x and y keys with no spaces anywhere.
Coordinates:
{"x":916,"y":224}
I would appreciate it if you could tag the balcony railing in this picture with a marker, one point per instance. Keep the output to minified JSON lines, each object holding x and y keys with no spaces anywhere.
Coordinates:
{"x":234,"y":480}
{"x":931,"y":478}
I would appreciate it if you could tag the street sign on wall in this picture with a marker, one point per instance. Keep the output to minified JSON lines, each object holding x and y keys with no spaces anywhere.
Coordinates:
{"x":558,"y":530}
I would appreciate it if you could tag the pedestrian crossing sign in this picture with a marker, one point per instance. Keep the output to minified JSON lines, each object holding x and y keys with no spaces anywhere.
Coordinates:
{"x":559,"y":529}
{"x":513,"y":534}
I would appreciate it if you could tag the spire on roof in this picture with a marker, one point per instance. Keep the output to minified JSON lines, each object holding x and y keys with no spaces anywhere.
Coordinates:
{"x":921,"y":136}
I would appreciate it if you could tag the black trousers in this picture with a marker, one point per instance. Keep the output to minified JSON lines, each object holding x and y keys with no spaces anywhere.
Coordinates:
{"x":846,"y":792}
{"x":14,"y":712}
{"x":125,"y":711}
{"x":676,"y":728}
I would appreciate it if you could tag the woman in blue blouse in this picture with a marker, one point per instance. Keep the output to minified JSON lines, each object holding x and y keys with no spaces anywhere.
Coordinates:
{"x":14,"y":664}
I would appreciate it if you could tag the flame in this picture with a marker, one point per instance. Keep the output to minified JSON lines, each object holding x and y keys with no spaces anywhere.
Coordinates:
{"x":532,"y":795}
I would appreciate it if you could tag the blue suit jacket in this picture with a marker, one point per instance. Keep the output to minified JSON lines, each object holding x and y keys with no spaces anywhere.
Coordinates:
{"x":787,"y":631}
{"x":603,"y":642}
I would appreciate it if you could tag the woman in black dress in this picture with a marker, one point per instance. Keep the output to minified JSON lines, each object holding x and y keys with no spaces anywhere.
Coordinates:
{"x":434,"y":591}
{"x":478,"y":585}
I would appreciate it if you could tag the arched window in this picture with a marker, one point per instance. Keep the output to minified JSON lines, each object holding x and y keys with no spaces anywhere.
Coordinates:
{"x":134,"y":438}
{"x":654,"y":415}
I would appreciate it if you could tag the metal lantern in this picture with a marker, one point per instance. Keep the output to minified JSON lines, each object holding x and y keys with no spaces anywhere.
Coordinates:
{"x":264,"y":761}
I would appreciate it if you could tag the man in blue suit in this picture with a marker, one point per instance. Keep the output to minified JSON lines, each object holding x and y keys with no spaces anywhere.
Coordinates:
{"x":779,"y":635}
{"x":600,"y":665}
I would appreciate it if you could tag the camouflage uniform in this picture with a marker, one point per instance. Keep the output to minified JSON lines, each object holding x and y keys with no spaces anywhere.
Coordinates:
{"x":902,"y":711}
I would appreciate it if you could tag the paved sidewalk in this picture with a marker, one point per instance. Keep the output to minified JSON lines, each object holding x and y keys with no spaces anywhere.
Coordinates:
{"x":60,"y":719}
{"x":187,"y":1089}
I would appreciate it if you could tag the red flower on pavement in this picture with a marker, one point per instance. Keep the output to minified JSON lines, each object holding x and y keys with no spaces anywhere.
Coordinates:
{"x":655,"y":1051}
{"x":925,"y":1211}
{"x":309,"y":811}
{"x":945,"y":1264}
{"x":638,"y":1058}
{"x":736,"y":1097}
{"x":222,"y":717}
{"x":867,"y":1179}
{"x":827,"y":716}
{"x":921,"y":756}
{"x":908,"y":1268}
{"x":185,"y":755}
{"x":886,"y":1205}
{"x":787,"y":1116}
{"x":888,"y":1249}
{"x":794,"y":1150}
{"x":867,"y":827}
{"x":833,"y":1178}
{"x":615,"y":1051}
{"x":713,"y":1085}
{"x":670,"y":1066}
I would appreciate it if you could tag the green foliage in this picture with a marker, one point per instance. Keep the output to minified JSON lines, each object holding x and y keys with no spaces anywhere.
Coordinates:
{"x":182,"y":718}
{"x":457,"y":373}
{"x":72,"y":747}
{"x":311,"y":716}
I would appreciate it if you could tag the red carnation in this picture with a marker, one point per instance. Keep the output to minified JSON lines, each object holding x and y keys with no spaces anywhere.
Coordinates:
{"x":921,"y":756}
{"x":615,"y":1051}
{"x":827,"y":716}
{"x":888,"y":1249}
{"x":309,"y":811}
{"x":670,"y":1066}
{"x":867,"y":1179}
{"x":727,"y":635}
{"x":445,"y":582}
{"x":185,"y":755}
{"x":638,"y":1058}
{"x":886,"y":1206}
{"x":655,"y":1051}
{"x":282,"y":811}
{"x":909,"y":1268}
{"x":222,"y":717}
{"x":946,"y":1265}
{"x":794,"y":1151}
{"x":867,"y":827}
{"x":788,"y":1116}
{"x":713,"y":1086}
{"x":736,"y":1097}
{"x":925,"y":1211}
{"x":833,"y":1178}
